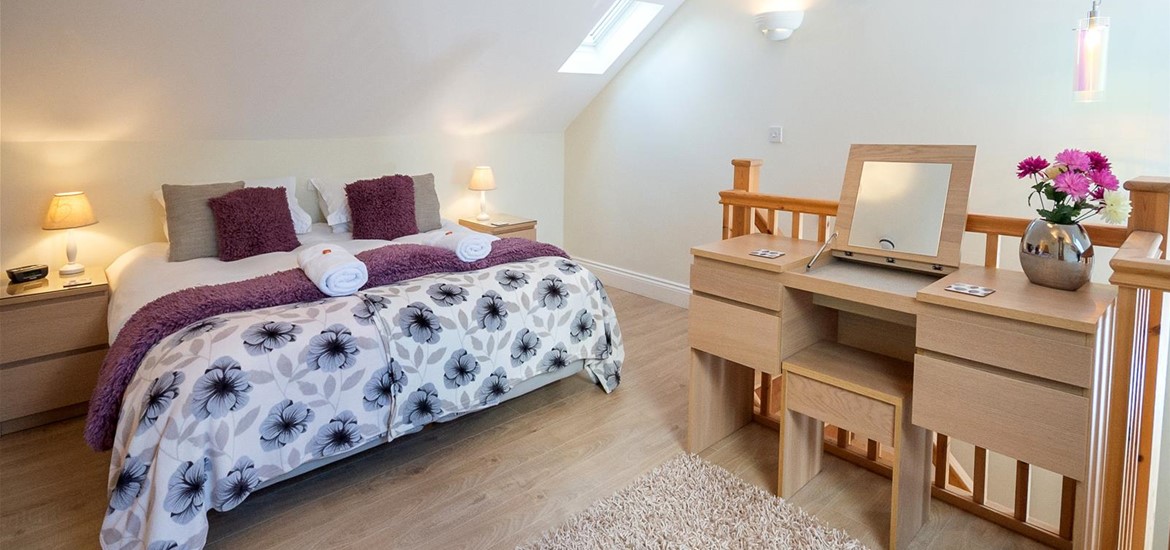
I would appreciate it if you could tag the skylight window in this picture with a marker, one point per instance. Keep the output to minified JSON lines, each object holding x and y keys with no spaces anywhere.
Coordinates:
{"x":618,"y":28}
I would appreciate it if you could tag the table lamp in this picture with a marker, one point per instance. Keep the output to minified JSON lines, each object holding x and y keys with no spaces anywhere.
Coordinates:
{"x":483,"y":181}
{"x":69,"y":211}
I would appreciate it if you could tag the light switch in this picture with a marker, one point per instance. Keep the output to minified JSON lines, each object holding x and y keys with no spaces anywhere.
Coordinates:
{"x":776,"y":134}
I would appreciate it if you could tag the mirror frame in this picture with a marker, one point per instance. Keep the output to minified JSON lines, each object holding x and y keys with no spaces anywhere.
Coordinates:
{"x":947,"y":259}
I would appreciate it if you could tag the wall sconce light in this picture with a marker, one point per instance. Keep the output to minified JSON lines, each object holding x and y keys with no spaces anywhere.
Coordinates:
{"x":1092,"y":51}
{"x":779,"y":25}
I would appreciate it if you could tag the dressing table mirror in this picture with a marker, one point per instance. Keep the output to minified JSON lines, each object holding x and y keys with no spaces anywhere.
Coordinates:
{"x":905,"y":206}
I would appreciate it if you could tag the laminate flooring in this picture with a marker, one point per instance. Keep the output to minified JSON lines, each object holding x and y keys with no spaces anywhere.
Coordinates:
{"x":490,"y":480}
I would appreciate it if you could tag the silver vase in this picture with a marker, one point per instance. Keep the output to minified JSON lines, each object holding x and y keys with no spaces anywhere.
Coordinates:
{"x":1056,"y":255}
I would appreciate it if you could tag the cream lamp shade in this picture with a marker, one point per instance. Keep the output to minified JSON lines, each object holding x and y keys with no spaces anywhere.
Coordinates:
{"x":482,"y":180}
{"x":69,"y":211}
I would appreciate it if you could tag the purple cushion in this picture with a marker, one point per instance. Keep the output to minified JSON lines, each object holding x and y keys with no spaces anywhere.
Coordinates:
{"x":253,"y":221}
{"x":382,"y":208}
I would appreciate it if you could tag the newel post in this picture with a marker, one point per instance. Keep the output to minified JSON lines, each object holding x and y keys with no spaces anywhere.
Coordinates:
{"x":747,"y":178}
{"x":1124,"y":505}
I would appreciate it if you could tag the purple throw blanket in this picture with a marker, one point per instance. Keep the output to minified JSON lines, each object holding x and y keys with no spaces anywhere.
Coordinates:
{"x":166,"y":315}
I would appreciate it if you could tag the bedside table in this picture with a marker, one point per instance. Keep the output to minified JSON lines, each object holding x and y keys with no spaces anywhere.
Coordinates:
{"x":503,"y":225}
{"x":52,"y":343}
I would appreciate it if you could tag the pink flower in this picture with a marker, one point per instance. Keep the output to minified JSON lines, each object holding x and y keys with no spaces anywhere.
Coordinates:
{"x":1097,"y":193}
{"x":1097,"y":161}
{"x":1074,"y":184}
{"x":1104,"y":178}
{"x":1074,"y":159}
{"x":1030,"y":167}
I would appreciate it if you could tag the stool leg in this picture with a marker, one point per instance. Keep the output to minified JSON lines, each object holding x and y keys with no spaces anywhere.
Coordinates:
{"x":910,"y":492}
{"x":800,"y":451}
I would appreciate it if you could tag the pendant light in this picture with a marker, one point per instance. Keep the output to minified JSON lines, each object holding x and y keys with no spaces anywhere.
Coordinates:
{"x":1092,"y":54}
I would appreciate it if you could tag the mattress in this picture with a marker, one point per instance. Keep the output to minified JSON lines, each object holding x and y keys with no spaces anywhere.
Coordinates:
{"x":143,"y":274}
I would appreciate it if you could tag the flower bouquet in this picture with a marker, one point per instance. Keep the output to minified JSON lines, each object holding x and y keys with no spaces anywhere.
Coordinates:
{"x":1055,"y":250}
{"x":1077,"y":185}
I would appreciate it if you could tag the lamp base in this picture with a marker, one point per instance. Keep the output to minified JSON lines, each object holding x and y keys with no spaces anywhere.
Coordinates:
{"x":483,"y":217}
{"x":71,"y":269}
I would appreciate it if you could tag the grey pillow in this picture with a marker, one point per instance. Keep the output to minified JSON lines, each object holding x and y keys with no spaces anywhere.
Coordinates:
{"x":190,"y":221}
{"x":426,"y":203}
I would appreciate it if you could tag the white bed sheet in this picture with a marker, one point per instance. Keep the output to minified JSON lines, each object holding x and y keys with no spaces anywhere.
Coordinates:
{"x":143,"y":274}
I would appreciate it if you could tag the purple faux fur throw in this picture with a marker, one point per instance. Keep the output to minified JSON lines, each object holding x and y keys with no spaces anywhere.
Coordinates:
{"x":166,"y":315}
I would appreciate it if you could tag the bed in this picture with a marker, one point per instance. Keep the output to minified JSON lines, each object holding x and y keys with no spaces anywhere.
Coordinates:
{"x":238,"y":401}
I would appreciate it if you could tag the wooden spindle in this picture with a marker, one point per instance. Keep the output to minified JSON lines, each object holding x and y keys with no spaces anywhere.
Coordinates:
{"x":766,"y":404}
{"x":991,"y":251}
{"x":873,"y":450}
{"x":979,"y":478}
{"x":1068,"y":506}
{"x":941,"y":450}
{"x":726,"y":222}
{"x":843,"y":437}
{"x":822,"y":228}
{"x":1023,"y":490}
{"x":796,"y":233}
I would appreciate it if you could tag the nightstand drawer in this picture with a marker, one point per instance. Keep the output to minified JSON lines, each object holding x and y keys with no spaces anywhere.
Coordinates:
{"x":529,"y":234}
{"x":42,"y":386}
{"x":1047,"y":352}
{"x":739,"y":334}
{"x":1029,"y":421}
{"x":36,"y":329}
{"x":736,"y":282}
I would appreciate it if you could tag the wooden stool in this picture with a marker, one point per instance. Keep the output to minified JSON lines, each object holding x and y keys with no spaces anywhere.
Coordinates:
{"x":865,"y":393}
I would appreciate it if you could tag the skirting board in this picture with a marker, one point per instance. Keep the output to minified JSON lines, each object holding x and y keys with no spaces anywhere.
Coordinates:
{"x":639,"y":283}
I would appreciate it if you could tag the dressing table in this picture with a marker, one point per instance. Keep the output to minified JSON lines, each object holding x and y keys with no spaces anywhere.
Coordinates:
{"x":1024,"y":372}
{"x":1013,"y":373}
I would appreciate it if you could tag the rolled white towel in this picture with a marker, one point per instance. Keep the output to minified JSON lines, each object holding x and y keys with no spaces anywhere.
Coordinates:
{"x":469,"y":246}
{"x":333,"y":269}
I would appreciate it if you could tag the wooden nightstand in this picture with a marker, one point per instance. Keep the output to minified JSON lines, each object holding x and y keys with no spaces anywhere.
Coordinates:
{"x":52,"y":343}
{"x":508,"y":226}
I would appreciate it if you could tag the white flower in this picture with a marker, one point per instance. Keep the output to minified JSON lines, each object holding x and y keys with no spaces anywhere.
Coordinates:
{"x":1115,"y":207}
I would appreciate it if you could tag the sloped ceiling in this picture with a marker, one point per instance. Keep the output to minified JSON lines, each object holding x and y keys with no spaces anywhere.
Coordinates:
{"x":290,"y":69}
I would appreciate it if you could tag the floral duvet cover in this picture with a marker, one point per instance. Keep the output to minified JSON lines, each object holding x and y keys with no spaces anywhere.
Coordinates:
{"x":234,"y":400}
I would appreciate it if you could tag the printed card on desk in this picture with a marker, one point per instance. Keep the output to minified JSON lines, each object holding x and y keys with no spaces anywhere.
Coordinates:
{"x":971,"y":290}
{"x":767,"y":254}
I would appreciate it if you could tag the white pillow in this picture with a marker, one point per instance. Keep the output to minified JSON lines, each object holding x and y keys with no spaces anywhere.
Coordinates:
{"x":302,"y":220}
{"x":334,"y":205}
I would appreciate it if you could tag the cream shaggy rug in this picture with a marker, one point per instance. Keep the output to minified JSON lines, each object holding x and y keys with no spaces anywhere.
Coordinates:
{"x":690,"y":503}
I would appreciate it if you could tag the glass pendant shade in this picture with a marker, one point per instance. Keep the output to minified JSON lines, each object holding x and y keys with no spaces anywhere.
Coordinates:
{"x":1092,"y":54}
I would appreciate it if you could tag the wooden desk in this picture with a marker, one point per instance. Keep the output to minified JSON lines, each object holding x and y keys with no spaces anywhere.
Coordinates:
{"x":1017,"y":372}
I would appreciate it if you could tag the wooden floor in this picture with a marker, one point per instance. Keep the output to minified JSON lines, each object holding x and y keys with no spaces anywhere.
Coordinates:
{"x":491,"y":480}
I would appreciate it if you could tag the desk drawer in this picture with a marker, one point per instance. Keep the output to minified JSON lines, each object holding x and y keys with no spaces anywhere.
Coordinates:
{"x":738,"y":334}
{"x":737,"y":283}
{"x":1031,"y":422}
{"x":1047,"y":352}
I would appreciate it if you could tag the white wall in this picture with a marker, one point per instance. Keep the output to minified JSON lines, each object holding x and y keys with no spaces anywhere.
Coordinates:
{"x":119,"y":178}
{"x":645,"y":161}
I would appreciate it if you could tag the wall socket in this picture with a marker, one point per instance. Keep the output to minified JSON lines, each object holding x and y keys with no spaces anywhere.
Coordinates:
{"x":776,"y":134}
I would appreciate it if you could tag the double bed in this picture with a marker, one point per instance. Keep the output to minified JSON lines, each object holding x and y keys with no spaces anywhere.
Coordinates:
{"x":239,"y":400}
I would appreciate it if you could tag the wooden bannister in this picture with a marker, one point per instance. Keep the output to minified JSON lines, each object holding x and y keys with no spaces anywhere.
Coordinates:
{"x":1119,"y":500}
{"x":1142,"y":276}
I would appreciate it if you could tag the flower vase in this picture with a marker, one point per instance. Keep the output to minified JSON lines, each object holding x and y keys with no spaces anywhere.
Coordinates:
{"x":1056,"y":255}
